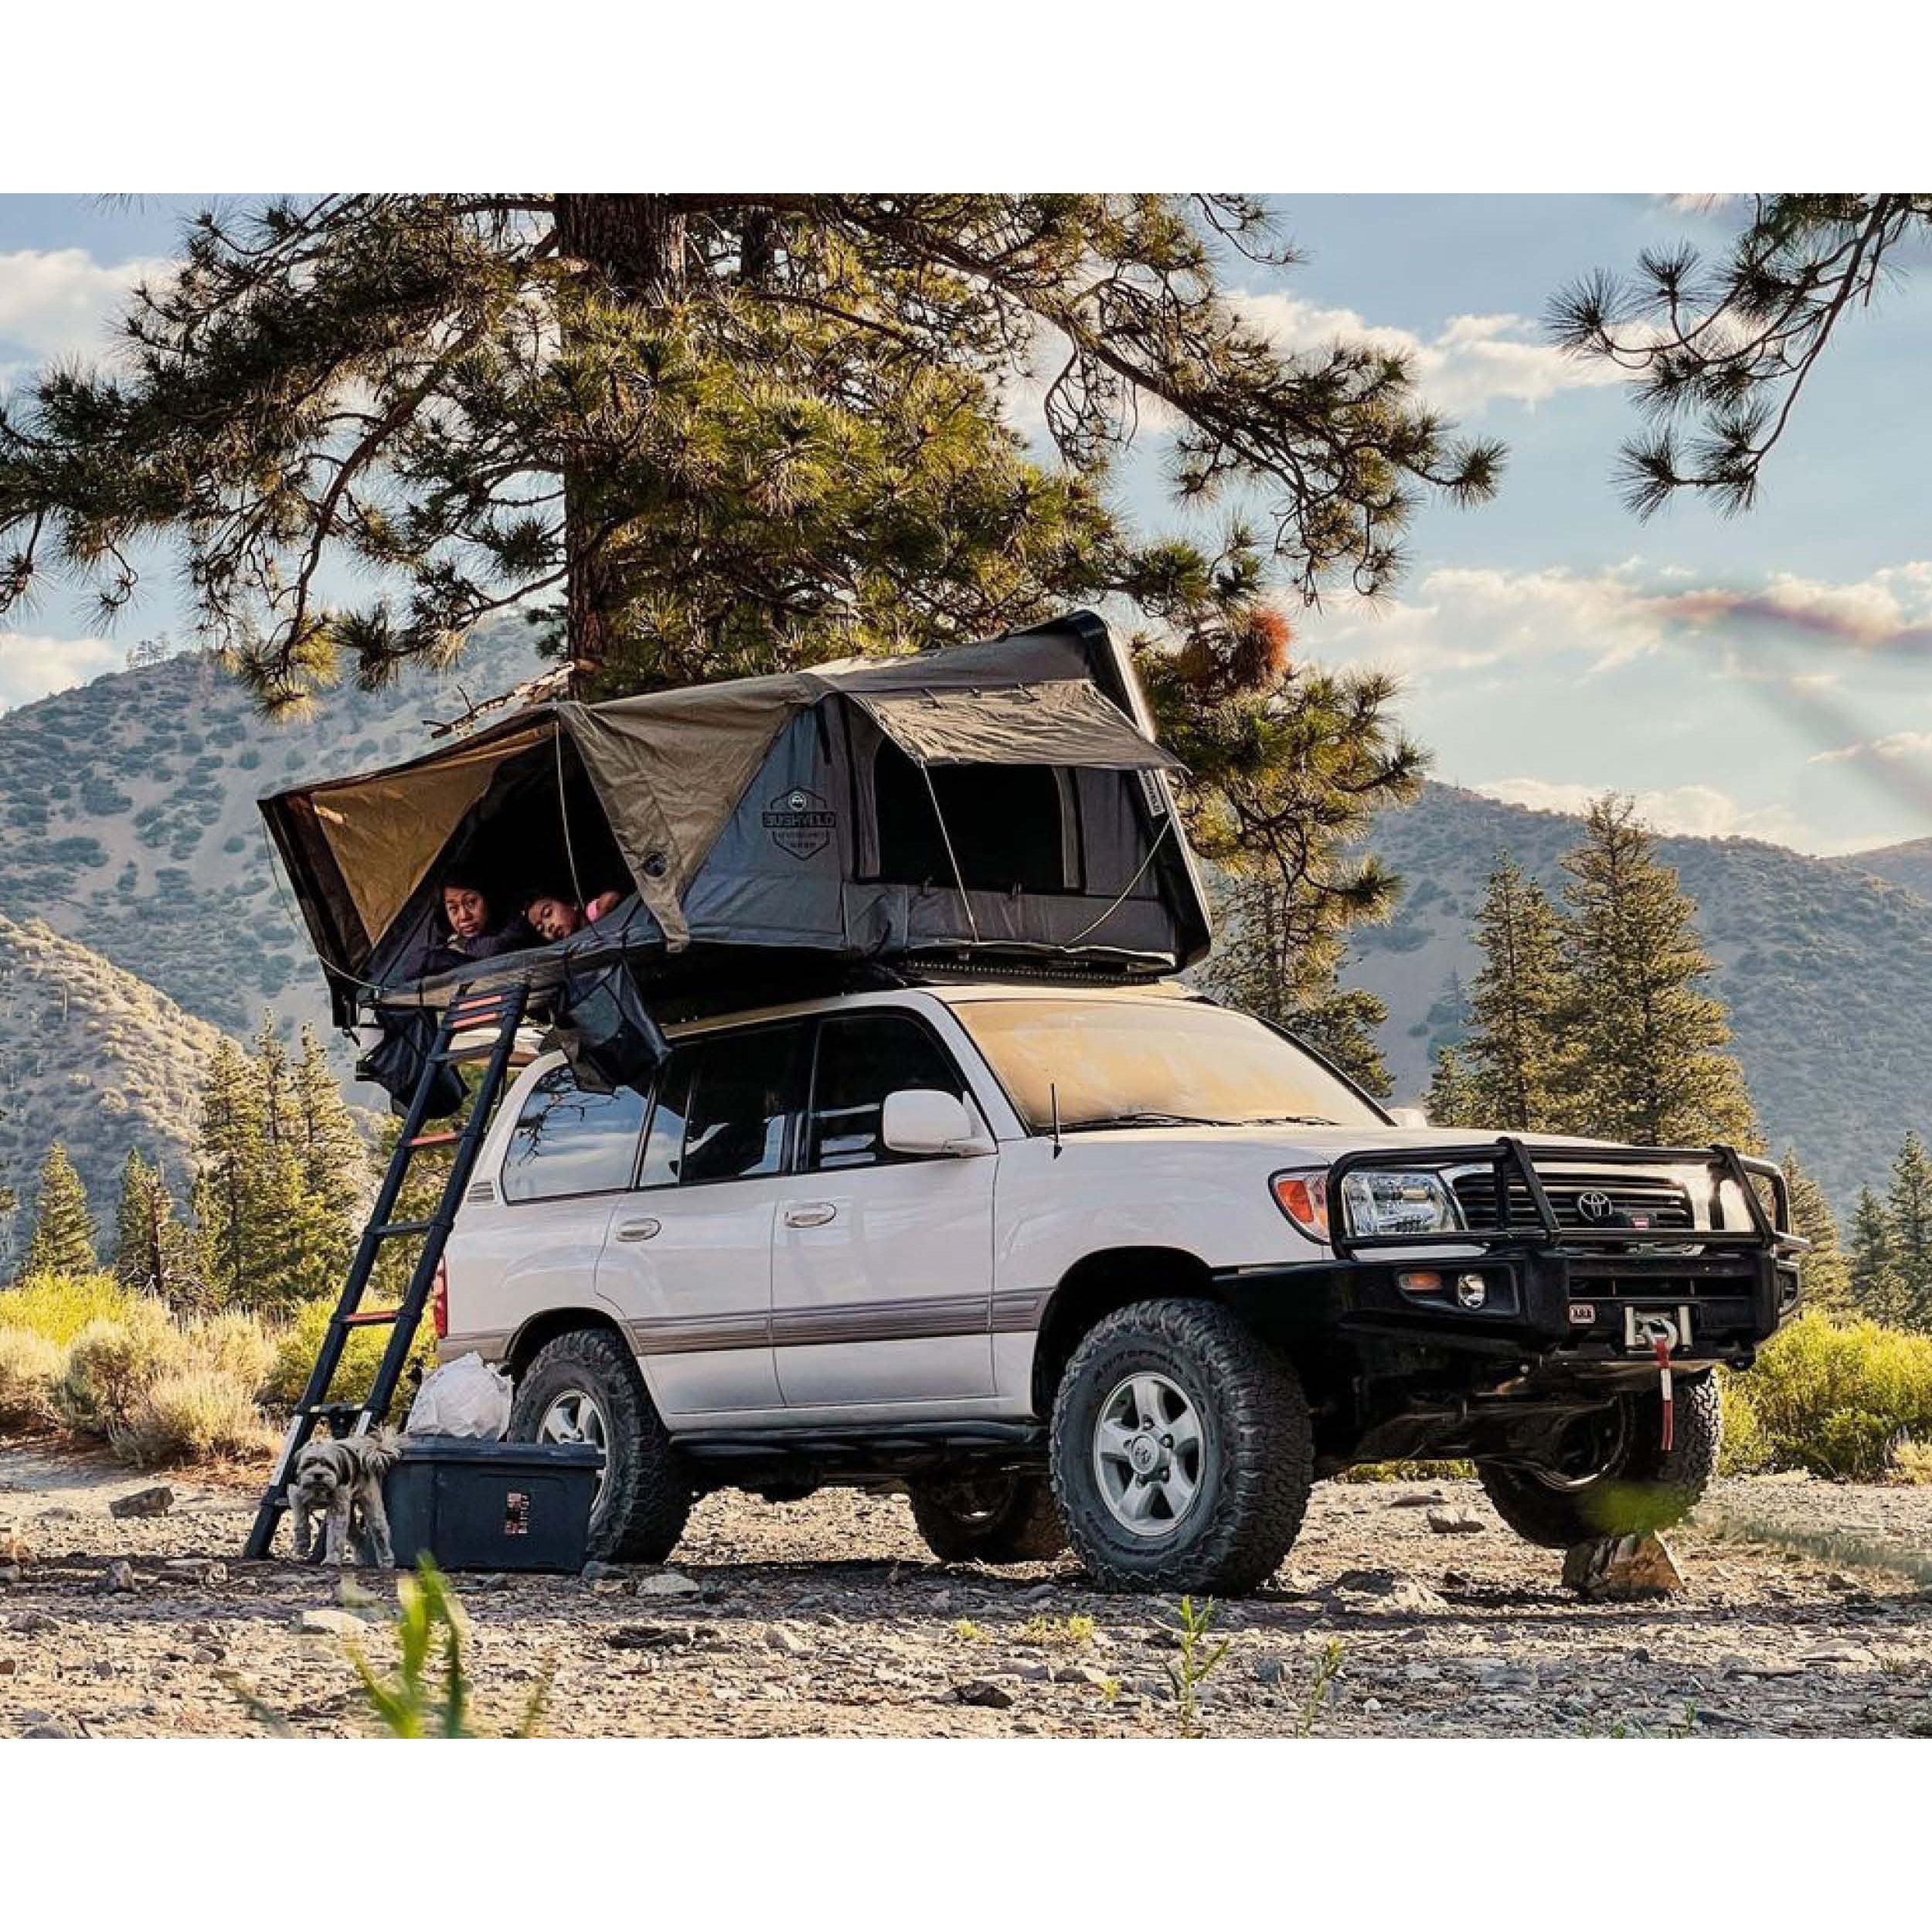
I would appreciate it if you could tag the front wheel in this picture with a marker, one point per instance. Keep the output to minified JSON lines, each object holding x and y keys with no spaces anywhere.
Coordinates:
{"x":584,"y":1387}
{"x":1004,"y":1518}
{"x":1610,"y":1474}
{"x":1182,"y":1451}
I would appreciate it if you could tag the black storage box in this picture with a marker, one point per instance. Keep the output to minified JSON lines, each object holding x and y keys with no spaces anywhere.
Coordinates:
{"x":477,"y":1505}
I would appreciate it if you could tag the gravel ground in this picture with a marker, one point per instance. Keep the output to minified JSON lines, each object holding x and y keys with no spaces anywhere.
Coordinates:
{"x":829,"y":1618}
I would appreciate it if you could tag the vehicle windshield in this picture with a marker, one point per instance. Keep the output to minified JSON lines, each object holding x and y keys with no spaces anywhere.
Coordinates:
{"x":1153,"y":1063}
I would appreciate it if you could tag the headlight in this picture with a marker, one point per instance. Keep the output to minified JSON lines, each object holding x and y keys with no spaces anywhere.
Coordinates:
{"x":1383,"y":1201}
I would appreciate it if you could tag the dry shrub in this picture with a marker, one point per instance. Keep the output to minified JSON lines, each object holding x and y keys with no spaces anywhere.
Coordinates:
{"x":30,"y":1366}
{"x":112,"y":1363}
{"x":235,"y":1344}
{"x":1912,"y":1461}
{"x":1832,"y":1398}
{"x":59,"y":1306}
{"x":191,"y":1414}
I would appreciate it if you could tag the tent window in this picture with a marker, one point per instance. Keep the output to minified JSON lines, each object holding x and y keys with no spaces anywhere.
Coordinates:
{"x":1006,"y":823}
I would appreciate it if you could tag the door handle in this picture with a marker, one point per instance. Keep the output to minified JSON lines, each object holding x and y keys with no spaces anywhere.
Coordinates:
{"x":638,"y":1231}
{"x":810,"y":1214}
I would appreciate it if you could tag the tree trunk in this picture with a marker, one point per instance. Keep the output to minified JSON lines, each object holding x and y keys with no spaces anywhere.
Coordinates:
{"x":628,"y":249}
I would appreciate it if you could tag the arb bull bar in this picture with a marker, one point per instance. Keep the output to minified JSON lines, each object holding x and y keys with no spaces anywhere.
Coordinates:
{"x":1585,"y":1293}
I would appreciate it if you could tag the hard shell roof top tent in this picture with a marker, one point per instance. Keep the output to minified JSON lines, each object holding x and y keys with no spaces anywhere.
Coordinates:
{"x":992,"y":804}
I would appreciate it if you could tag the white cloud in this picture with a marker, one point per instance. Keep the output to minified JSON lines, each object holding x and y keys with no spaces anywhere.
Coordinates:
{"x":32,"y":667}
{"x":1470,"y":362}
{"x":56,"y":302}
{"x":1892,"y":747}
{"x":1697,"y":811}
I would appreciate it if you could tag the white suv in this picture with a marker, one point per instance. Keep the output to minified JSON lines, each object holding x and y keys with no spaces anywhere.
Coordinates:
{"x":1118,"y":1266}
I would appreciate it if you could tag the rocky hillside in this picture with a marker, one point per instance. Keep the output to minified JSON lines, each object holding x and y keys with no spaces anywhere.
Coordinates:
{"x":1826,"y":967}
{"x":127,"y":818}
{"x":92,"y":1056}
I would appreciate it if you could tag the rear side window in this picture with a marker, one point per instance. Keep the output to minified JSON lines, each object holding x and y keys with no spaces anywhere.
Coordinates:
{"x":568,"y":1141}
{"x":861,"y":1060}
{"x":727,"y":1104}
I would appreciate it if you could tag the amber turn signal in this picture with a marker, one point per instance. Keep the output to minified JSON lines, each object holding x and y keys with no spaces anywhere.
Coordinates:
{"x":1303,"y":1197}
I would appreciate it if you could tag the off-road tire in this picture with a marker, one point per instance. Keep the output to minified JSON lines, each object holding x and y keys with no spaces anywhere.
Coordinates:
{"x":1257,"y":1462}
{"x":647,"y":1494}
{"x":1004,"y":1518}
{"x":1642,"y":1488}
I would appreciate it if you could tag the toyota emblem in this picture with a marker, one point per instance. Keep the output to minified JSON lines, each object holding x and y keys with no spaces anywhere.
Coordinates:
{"x":1594,"y":1205}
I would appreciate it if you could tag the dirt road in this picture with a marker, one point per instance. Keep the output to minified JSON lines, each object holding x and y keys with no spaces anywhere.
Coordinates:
{"x":828,"y":1617}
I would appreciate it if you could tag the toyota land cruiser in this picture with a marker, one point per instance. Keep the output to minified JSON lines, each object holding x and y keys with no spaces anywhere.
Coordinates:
{"x":1119,"y":1268}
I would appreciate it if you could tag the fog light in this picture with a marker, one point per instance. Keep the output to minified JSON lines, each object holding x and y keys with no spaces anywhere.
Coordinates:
{"x":1470,"y":1291}
{"x":1419,"y":1281}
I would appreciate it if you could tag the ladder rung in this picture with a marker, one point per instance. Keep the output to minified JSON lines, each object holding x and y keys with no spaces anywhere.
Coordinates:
{"x":457,"y":1054}
{"x":448,"y":1139}
{"x":390,"y":1228}
{"x":370,"y":1318}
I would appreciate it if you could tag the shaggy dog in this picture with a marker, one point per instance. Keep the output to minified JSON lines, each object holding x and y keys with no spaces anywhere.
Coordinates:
{"x":341,"y":1480}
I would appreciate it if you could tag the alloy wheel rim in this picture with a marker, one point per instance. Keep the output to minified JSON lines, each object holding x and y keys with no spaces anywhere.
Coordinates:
{"x":575,"y":1415}
{"x":1149,"y":1454}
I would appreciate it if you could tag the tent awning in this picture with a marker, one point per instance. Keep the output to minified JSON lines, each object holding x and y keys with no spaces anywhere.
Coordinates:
{"x":1066,"y":722}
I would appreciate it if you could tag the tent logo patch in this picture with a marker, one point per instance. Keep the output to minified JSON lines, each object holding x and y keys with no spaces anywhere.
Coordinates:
{"x":800,"y":822}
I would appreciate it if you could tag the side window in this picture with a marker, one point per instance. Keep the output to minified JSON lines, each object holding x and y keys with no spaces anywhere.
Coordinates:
{"x":567,"y":1141}
{"x":861,"y":1060}
{"x":743,"y":1089}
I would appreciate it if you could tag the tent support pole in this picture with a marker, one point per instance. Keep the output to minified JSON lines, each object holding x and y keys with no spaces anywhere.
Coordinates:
{"x":952,"y":858}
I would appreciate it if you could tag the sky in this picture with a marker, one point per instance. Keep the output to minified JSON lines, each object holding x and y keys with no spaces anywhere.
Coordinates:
{"x":1761,"y":675}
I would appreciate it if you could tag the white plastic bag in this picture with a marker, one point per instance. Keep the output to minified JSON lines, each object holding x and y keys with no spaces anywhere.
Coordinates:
{"x":465,"y":1397}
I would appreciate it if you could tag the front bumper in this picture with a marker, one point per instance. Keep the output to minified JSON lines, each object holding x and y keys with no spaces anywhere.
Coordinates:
{"x":1561,"y":1294}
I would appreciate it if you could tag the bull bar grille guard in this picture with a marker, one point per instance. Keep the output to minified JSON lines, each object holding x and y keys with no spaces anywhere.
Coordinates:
{"x":1510,"y":1157}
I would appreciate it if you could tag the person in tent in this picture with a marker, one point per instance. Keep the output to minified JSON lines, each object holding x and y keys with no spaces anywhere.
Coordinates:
{"x":473,"y":932}
{"x":557,"y":915}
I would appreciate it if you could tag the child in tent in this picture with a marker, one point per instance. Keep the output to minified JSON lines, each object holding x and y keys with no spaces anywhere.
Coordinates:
{"x":557,"y":915}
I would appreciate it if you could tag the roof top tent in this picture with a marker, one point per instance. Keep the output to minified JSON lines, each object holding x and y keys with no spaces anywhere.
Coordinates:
{"x":993,"y":804}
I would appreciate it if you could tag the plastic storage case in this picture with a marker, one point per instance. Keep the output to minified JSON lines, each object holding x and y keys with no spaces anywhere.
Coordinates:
{"x":476,"y":1505}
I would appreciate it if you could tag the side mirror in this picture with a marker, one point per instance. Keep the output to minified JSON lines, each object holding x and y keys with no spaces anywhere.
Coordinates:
{"x":1410,"y":1116}
{"x":918,"y":1121}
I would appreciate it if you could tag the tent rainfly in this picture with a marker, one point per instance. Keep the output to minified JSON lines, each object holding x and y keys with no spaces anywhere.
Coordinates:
{"x":1002,"y":802}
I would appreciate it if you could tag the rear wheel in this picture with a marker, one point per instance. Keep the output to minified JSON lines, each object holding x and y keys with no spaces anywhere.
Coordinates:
{"x":1182,"y":1451}
{"x":1003,"y":1519}
{"x":1610,"y":1474}
{"x":584,"y":1387}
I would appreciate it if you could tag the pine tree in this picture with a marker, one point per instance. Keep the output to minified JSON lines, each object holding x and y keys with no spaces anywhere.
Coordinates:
{"x":334,"y":1159}
{"x":153,"y":1252}
{"x":1910,"y":1211}
{"x":228,"y":1212}
{"x":281,"y":1175}
{"x":1649,"y":1038}
{"x":1875,"y":1280}
{"x":63,"y":1242}
{"x":1827,"y":1274}
{"x":716,"y":432}
{"x":1516,"y":1044}
{"x":1454,"y":1099}
{"x":1285,"y":788}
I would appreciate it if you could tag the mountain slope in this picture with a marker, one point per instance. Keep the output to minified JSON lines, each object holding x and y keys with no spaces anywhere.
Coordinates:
{"x":1826,"y":968}
{"x":127,"y":820}
{"x":92,"y":1056}
{"x":1908,"y":864}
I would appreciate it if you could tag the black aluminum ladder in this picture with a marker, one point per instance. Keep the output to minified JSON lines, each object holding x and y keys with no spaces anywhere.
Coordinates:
{"x":497,"y":1013}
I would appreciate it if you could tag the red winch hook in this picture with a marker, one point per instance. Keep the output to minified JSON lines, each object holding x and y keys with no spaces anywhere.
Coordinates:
{"x":1661,"y":1345}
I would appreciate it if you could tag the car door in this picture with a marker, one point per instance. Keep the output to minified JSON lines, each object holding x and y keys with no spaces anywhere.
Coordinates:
{"x":565,"y":1164}
{"x":882,"y":1274}
{"x":688,"y":1260}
